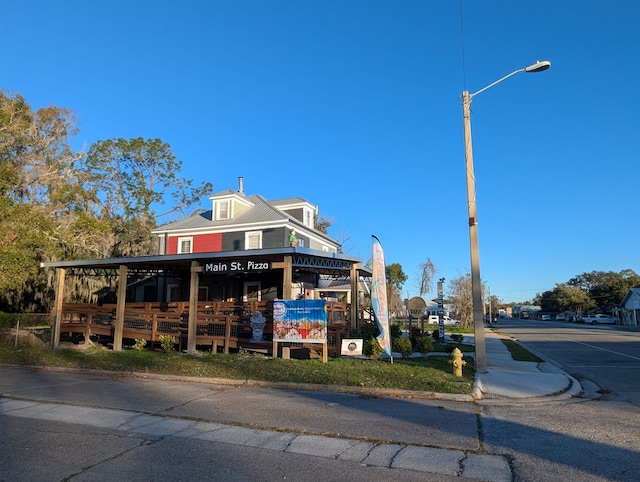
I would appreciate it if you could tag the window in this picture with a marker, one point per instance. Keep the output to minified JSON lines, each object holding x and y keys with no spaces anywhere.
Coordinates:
{"x":253,"y":240}
{"x":308,"y":218}
{"x":173,"y":292}
{"x":252,"y":291}
{"x":223,"y":209}
{"x":185,"y":245}
{"x":325,"y":248}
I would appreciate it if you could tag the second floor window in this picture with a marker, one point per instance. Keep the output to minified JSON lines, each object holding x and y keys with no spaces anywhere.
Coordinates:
{"x":185,"y":245}
{"x":253,"y":240}
{"x":223,"y":209}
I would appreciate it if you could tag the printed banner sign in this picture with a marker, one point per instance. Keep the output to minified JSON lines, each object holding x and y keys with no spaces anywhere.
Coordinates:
{"x":379,"y":297}
{"x":300,"y":321}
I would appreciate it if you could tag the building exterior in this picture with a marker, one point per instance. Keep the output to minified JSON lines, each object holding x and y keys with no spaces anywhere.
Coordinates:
{"x":631,"y":307}
{"x":238,"y":222}
{"x":245,"y":250}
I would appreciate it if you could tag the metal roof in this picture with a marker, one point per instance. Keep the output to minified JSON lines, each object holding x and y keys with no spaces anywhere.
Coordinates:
{"x":310,"y":259}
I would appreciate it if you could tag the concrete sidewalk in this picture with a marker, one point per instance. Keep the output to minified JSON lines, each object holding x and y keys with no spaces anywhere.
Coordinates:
{"x":509,"y":380}
{"x":435,"y":434}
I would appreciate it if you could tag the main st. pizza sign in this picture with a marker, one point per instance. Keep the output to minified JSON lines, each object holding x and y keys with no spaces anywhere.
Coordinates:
{"x":236,"y":266}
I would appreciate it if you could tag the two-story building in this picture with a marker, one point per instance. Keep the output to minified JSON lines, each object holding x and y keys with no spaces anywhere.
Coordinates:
{"x":240,"y":251}
{"x":244,"y":228}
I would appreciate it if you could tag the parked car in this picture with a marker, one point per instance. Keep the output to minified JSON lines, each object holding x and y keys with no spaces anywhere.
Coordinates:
{"x":599,"y":318}
{"x":545,"y":318}
{"x":560,"y":317}
{"x":434,"y":320}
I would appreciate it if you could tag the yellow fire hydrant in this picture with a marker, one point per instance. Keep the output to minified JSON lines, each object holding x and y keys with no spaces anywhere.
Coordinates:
{"x":457,"y":362}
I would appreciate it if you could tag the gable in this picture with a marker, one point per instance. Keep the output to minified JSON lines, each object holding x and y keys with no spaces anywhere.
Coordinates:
{"x":631,"y":300}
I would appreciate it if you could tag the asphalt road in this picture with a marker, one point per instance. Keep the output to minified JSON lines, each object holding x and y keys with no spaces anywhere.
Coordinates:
{"x":582,"y":440}
{"x":606,"y":355}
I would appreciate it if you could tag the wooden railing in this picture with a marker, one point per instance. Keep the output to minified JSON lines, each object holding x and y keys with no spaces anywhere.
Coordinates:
{"x":218,"y":324}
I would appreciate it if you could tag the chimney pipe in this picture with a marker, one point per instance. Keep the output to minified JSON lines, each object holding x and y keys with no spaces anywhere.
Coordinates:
{"x":241,"y":184}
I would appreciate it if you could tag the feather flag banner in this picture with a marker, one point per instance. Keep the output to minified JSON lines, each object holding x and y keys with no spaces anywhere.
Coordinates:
{"x":379,"y":297}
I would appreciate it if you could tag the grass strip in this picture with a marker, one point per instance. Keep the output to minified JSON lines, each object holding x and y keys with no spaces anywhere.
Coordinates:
{"x":432,"y":373}
{"x":519,"y":353}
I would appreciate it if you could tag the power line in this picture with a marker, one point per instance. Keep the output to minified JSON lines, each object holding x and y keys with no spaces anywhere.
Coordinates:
{"x":464,"y":68}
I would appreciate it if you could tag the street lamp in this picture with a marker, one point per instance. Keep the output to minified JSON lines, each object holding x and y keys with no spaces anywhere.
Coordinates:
{"x":476,"y":288}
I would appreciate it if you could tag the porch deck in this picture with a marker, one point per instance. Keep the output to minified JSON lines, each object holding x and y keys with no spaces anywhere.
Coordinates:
{"x":219,"y":325}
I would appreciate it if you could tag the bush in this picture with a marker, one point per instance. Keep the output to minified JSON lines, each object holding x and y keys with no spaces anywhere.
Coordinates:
{"x":424,"y":345}
{"x":167,"y":342}
{"x":404,"y":346}
{"x":140,"y":344}
{"x":395,"y":330}
{"x":415,"y":332}
{"x":367,"y":331}
{"x":372,"y":349}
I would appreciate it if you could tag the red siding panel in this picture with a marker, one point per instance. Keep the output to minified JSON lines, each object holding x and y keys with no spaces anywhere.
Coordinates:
{"x":207,"y":243}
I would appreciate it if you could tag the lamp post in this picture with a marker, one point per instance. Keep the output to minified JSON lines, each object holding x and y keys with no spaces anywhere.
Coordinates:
{"x":476,"y":288}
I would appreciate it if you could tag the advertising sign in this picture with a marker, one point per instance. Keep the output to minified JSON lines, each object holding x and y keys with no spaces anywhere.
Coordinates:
{"x":244,"y":266}
{"x":303,"y":321}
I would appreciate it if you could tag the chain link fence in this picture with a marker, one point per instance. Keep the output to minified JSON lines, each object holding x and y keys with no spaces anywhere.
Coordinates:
{"x":25,"y":328}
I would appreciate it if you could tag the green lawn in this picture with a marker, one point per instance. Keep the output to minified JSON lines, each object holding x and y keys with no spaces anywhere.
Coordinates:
{"x":431,"y":373}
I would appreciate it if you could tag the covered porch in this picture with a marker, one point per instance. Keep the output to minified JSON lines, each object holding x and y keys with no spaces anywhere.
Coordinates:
{"x":194,"y":320}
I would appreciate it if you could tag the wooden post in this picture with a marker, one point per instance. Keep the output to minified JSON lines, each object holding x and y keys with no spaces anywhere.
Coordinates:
{"x":193,"y":307}
{"x":287,"y":278}
{"x":55,"y":339}
{"x":120,"y":307}
{"x":227,"y":334}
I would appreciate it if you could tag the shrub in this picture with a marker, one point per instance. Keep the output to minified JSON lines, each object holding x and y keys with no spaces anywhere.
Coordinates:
{"x":367,"y":331}
{"x":139,"y":344}
{"x":424,"y":345}
{"x":404,"y":346}
{"x":166,"y":342}
{"x":372,"y":349}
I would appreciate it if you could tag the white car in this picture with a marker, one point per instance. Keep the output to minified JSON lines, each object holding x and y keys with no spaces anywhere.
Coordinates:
{"x":434,"y":320}
{"x":545,"y":318}
{"x":600,"y":318}
{"x":560,"y":317}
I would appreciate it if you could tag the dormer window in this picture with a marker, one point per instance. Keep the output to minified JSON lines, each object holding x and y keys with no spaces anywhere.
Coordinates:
{"x":223,"y":209}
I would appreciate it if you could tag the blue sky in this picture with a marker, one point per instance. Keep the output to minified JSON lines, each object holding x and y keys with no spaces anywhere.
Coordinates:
{"x":355,"y":106}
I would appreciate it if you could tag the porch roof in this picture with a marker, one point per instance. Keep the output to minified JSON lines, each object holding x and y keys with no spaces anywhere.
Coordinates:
{"x":321,"y":262}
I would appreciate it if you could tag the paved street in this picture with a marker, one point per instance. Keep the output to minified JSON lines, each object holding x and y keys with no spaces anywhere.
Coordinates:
{"x":59,"y":425}
{"x":587,"y":440}
{"x":94,"y":426}
{"x":606,"y":355}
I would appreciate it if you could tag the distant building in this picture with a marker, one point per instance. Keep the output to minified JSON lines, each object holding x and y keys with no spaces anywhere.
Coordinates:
{"x":631,"y":307}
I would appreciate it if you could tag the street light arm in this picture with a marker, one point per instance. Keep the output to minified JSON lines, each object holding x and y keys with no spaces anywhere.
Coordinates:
{"x":539,"y":66}
{"x":497,"y":82}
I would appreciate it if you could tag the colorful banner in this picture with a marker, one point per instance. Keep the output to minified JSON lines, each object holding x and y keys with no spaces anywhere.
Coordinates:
{"x":379,"y":296}
{"x":300,"y":321}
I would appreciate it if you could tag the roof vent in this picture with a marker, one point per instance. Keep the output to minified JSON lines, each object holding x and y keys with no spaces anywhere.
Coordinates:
{"x":241,"y":184}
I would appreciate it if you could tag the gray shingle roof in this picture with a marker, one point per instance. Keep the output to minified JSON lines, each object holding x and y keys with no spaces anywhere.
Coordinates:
{"x":260,"y":212}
